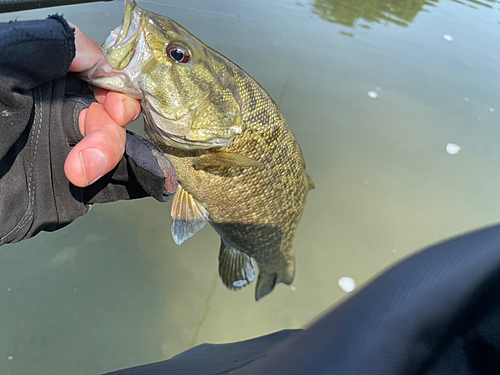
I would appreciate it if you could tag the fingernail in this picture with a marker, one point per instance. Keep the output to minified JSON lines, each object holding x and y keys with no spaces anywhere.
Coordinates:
{"x":94,"y":164}
{"x":130,"y":110}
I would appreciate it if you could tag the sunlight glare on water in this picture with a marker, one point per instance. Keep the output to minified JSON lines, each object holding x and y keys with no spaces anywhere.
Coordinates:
{"x":378,"y":93}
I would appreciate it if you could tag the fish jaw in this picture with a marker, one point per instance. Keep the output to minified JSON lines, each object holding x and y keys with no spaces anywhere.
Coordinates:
{"x":119,"y":51}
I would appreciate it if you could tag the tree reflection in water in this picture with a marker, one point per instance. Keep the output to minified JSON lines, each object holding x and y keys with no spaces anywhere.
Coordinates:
{"x":360,"y":13}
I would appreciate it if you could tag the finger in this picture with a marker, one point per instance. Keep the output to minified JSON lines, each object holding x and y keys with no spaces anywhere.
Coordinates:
{"x":122,"y":109}
{"x":87,"y":53}
{"x":99,"y":152}
{"x":99,"y":93}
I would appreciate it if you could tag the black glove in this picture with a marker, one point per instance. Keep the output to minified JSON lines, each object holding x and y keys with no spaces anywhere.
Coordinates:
{"x":39,"y":108}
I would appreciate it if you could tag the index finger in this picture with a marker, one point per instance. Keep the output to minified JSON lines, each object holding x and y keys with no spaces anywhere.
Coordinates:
{"x":88,"y":52}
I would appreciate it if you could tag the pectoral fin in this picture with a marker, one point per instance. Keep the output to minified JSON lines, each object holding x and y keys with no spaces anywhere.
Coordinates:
{"x":188,"y":215}
{"x":235,"y":268}
{"x":225,"y":159}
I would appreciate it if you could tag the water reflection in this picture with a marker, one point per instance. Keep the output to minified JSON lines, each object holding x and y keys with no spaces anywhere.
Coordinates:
{"x":356,"y":13}
{"x":362,"y":13}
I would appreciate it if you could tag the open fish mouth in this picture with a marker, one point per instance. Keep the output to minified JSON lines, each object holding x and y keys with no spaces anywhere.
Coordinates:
{"x":119,"y":50}
{"x":120,"y":45}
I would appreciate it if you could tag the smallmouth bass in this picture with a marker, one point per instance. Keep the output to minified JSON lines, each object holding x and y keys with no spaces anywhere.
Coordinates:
{"x":239,"y":165}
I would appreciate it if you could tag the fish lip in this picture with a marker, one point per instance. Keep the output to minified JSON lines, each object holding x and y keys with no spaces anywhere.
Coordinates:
{"x":125,"y":36}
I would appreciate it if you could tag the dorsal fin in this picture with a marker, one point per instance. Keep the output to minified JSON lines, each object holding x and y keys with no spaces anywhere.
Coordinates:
{"x":235,"y":268}
{"x":188,"y":215}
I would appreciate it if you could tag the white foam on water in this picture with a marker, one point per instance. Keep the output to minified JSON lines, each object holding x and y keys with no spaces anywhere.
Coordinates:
{"x":372,"y":94}
{"x":447,"y":37}
{"x":347,"y":284}
{"x":452,"y":148}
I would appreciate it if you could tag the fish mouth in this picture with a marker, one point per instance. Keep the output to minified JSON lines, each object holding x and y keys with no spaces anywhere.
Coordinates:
{"x":120,"y":46}
{"x":119,"y":50}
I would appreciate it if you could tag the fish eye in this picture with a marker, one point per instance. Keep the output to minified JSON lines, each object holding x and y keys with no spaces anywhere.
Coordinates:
{"x":178,"y":53}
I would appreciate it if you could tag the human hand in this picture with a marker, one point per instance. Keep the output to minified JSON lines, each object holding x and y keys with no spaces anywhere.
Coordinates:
{"x":102,"y":124}
{"x":47,"y":111}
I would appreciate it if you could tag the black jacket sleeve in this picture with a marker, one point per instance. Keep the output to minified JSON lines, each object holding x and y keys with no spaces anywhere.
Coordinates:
{"x":40,"y":103}
{"x":32,"y":53}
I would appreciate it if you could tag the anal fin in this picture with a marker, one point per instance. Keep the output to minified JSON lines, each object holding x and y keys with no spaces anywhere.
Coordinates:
{"x":188,"y":215}
{"x":235,"y":268}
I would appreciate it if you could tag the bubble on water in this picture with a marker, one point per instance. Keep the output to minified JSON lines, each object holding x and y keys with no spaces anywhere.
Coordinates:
{"x":9,"y":289}
{"x":466,"y":99}
{"x":75,"y":289}
{"x":10,"y":358}
{"x":492,"y":109}
{"x":347,"y":284}
{"x":293,"y":289}
{"x":394,"y":251}
{"x":447,"y":37}
{"x":378,"y":88}
{"x":480,"y":118}
{"x":372,"y":94}
{"x":452,"y":148}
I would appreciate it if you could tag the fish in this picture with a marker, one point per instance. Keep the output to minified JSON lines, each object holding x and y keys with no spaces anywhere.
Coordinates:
{"x":239,"y":166}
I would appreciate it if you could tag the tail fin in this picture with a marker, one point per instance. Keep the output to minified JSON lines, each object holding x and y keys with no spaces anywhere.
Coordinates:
{"x":268,"y":280}
{"x":265,"y":284}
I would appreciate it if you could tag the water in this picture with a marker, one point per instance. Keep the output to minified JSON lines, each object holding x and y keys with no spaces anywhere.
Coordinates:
{"x":375,"y":91}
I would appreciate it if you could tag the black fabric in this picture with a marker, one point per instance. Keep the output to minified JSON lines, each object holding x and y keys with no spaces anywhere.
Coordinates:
{"x":32,"y":53}
{"x":40,"y":103}
{"x":213,"y":358}
{"x":435,"y":313}
{"x":426,"y":315}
